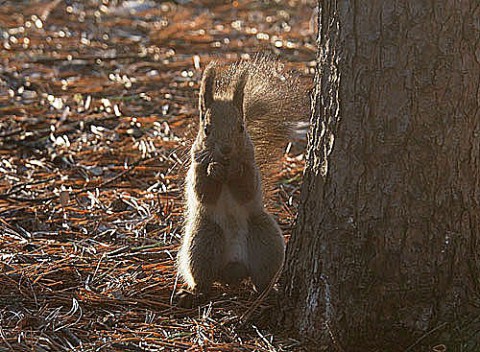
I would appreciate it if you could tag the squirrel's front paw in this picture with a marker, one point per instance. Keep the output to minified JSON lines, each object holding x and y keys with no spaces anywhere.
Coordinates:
{"x":217,"y":171}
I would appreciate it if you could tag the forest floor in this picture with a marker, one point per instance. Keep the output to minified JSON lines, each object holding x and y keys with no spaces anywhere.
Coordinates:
{"x":97,"y":112}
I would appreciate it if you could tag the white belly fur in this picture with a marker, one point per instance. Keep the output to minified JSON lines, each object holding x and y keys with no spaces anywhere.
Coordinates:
{"x":232,"y":217}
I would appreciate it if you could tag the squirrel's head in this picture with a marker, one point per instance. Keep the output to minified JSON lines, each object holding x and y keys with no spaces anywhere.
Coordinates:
{"x":222,"y":126}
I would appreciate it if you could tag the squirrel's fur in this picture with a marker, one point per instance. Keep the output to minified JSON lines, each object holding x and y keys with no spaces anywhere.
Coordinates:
{"x":273,"y":103}
{"x":228,"y":235}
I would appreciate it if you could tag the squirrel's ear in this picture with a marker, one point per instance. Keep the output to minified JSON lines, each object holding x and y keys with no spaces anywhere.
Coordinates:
{"x":239,"y":92}
{"x":207,"y":88}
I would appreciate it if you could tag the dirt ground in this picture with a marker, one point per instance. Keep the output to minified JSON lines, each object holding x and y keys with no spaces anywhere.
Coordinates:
{"x":97,"y":111}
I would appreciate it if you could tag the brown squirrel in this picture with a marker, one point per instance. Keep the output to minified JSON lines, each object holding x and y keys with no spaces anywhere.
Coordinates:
{"x":228,"y":235}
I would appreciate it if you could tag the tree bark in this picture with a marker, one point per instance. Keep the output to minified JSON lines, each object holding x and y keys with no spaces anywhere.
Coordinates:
{"x":385,"y":254}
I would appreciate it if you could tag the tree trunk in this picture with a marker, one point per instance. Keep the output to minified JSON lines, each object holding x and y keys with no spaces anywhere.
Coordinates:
{"x":386,"y":253}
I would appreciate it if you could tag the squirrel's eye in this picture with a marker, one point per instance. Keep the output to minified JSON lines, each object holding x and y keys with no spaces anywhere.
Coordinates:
{"x":206,"y":130}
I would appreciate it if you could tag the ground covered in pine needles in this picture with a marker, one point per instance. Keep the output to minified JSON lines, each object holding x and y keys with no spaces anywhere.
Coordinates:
{"x":97,"y":111}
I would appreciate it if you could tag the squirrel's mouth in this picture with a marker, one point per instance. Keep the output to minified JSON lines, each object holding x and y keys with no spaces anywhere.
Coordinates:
{"x":223,"y":154}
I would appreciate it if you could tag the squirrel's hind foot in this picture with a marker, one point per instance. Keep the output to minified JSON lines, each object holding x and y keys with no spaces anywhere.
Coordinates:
{"x":187,"y":299}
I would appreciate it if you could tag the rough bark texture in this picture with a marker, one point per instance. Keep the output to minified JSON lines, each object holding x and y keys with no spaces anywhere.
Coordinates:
{"x":386,"y":250}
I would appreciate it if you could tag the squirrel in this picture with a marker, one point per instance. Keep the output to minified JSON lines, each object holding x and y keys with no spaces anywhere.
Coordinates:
{"x":247,"y":110}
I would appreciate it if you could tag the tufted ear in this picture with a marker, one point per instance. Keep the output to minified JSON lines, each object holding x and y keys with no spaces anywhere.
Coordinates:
{"x":207,"y":88}
{"x":239,"y":92}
